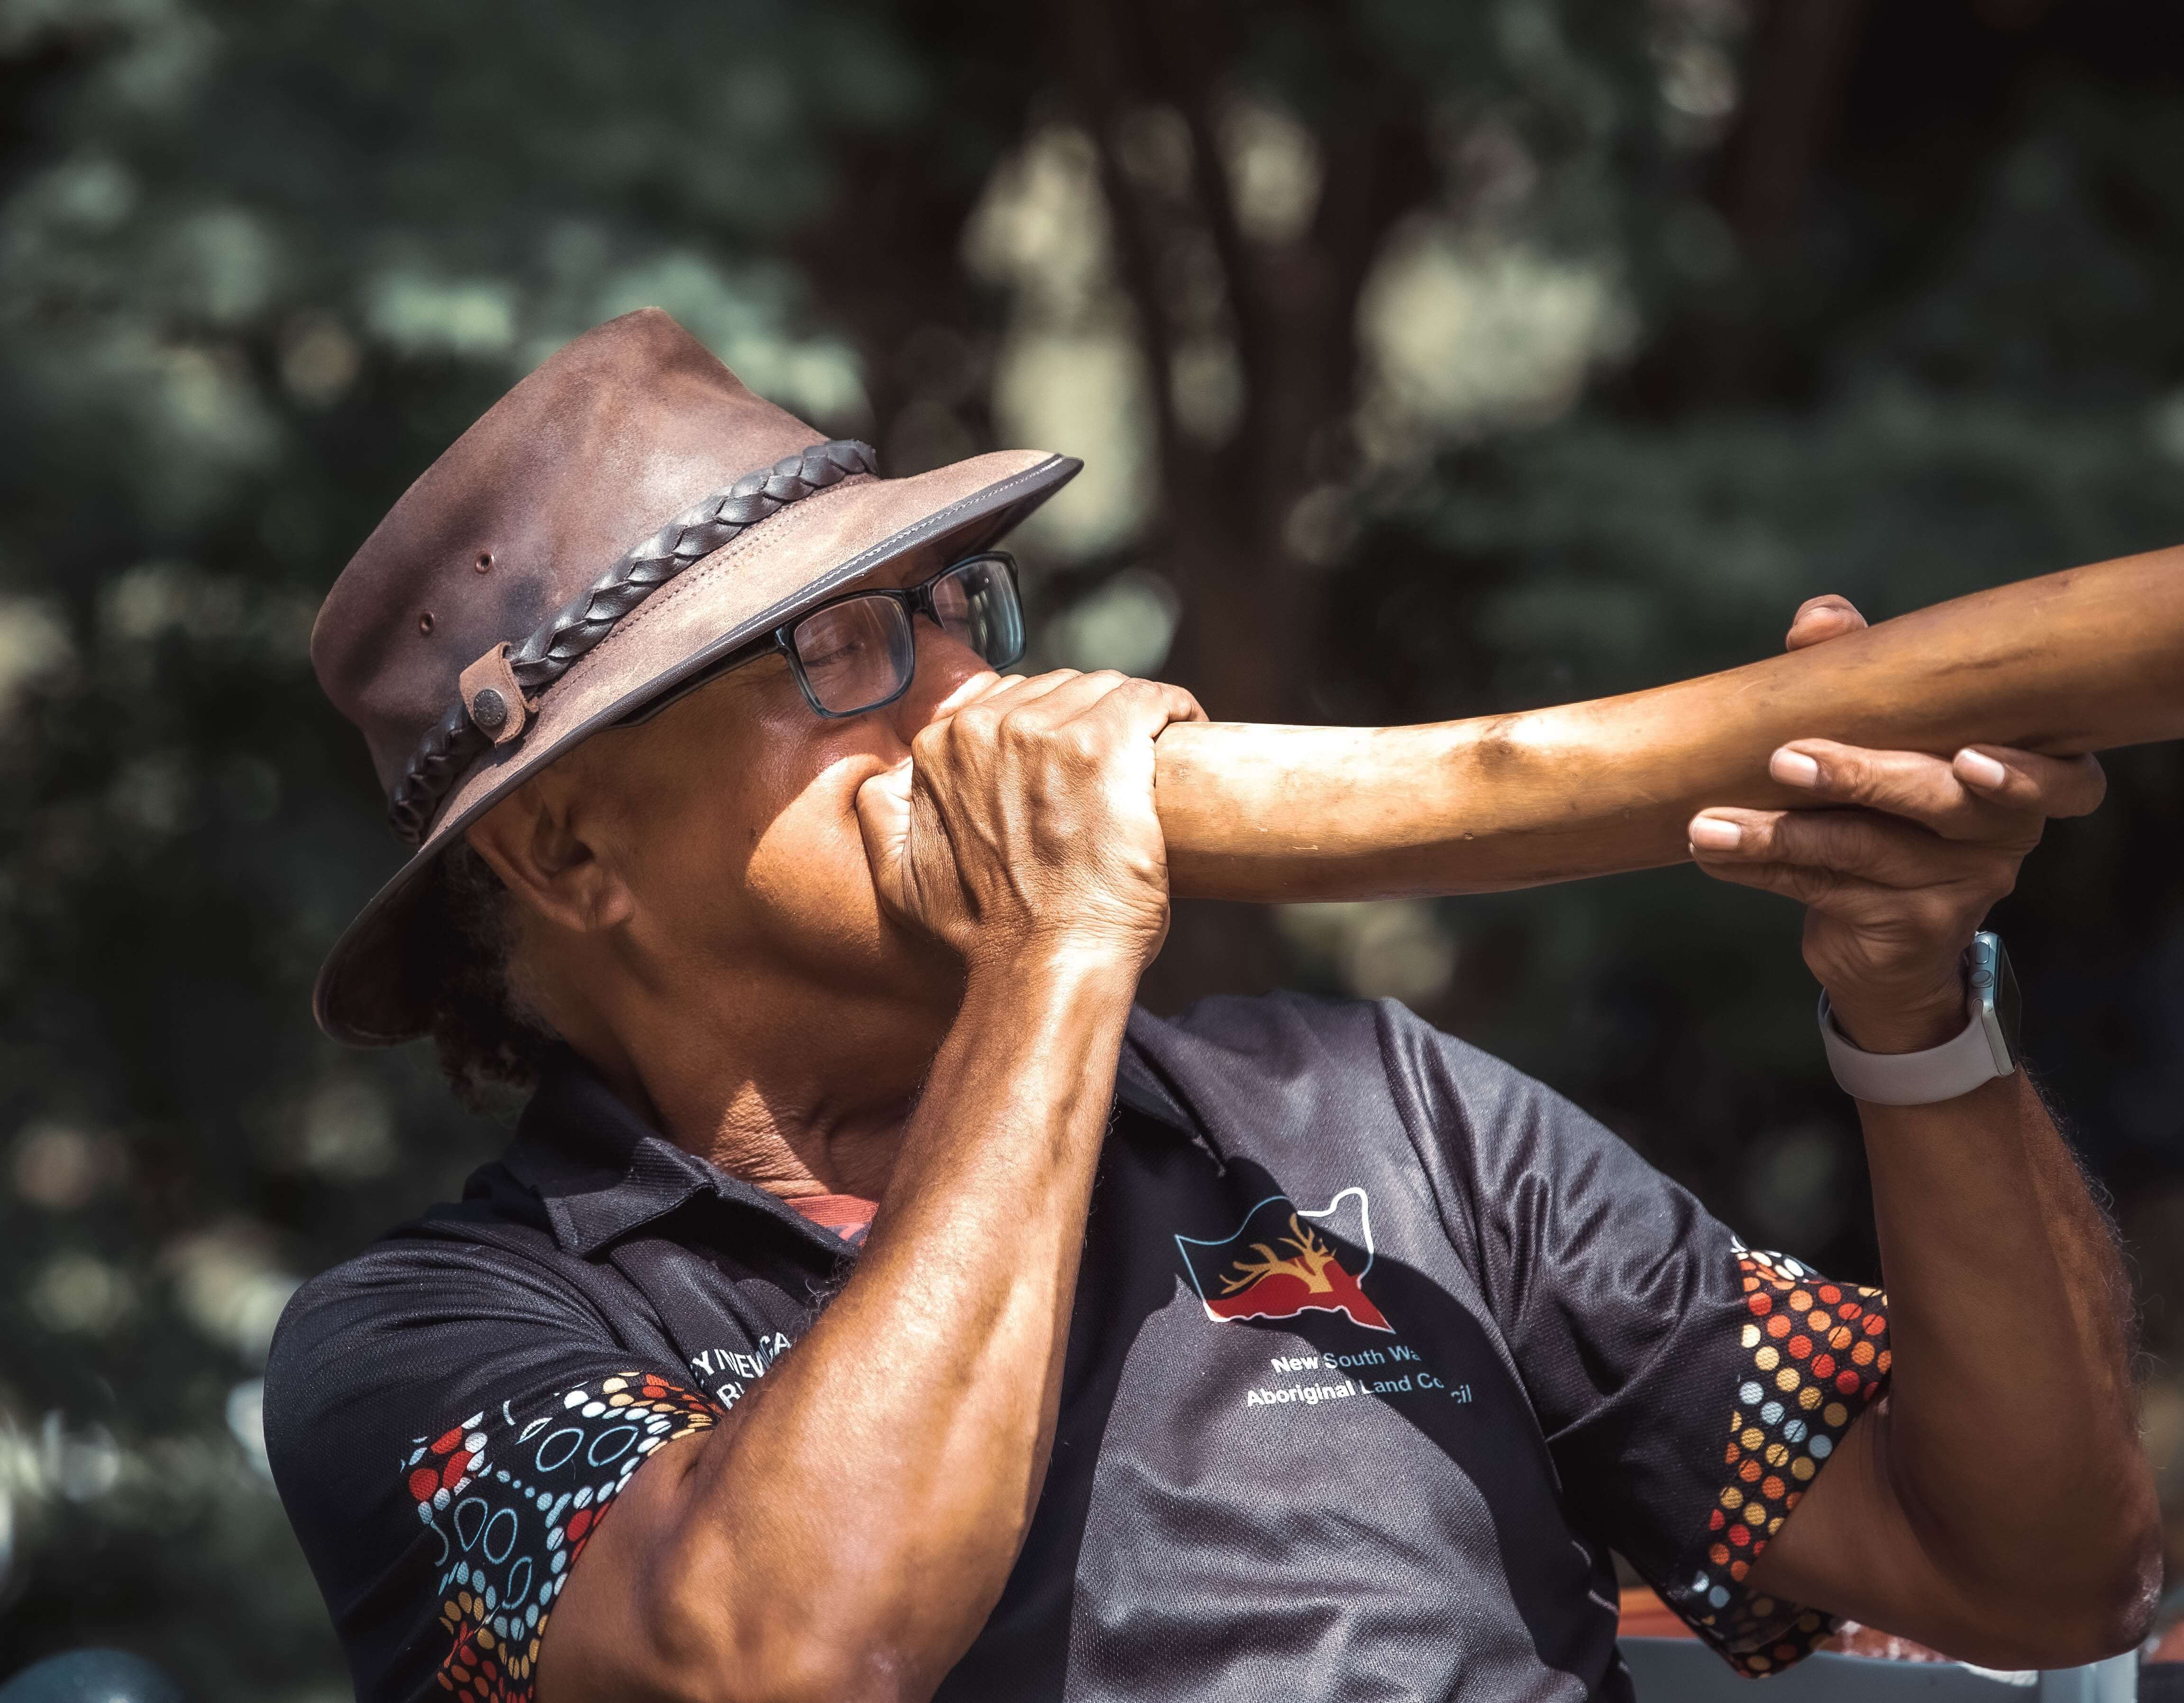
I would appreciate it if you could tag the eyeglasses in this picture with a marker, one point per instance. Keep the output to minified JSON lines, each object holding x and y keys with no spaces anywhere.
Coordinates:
{"x":858,"y":652}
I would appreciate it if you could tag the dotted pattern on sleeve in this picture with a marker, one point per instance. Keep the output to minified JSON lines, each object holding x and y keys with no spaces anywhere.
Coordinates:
{"x":1815,"y":1356}
{"x":513,"y":1501}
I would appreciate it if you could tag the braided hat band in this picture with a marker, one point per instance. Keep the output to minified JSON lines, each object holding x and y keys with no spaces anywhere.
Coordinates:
{"x":479,"y":720}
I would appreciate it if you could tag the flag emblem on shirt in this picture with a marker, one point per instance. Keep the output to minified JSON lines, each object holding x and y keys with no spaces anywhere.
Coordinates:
{"x":1283,"y":1260}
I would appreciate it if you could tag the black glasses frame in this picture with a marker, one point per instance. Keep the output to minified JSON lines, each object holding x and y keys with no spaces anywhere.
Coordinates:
{"x":916,"y":600}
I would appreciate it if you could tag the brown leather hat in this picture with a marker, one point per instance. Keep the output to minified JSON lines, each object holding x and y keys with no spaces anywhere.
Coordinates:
{"x":626,"y":516}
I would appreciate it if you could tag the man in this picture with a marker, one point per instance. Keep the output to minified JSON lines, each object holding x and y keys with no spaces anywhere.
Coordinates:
{"x":928,"y":1322}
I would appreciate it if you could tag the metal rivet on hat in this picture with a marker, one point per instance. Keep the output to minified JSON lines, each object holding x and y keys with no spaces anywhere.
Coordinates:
{"x":425,"y":621}
{"x":484,"y":560}
{"x":489,"y":710}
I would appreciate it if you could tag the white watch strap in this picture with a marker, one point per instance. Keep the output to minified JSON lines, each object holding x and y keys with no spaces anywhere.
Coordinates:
{"x":1910,"y":1078}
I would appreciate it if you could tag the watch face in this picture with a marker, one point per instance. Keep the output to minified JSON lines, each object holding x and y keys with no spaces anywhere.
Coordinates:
{"x":2009,"y":1007}
{"x":1994,"y":988}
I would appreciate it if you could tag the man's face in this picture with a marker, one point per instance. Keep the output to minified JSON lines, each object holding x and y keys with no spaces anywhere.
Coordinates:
{"x":731,"y":818}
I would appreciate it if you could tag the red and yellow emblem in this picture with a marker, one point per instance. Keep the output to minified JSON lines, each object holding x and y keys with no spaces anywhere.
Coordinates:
{"x":1282,"y":1260}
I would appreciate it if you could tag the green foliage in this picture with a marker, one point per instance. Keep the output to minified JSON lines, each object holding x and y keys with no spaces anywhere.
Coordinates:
{"x":257,"y":264}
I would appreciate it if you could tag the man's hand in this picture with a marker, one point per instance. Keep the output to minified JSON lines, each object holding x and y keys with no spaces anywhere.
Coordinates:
{"x":2004,"y":1520}
{"x":1023,"y":824}
{"x":1898,"y":861}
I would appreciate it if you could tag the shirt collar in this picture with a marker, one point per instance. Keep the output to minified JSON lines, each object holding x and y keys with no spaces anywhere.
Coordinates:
{"x":1144,"y":1086}
{"x":602,"y":1171}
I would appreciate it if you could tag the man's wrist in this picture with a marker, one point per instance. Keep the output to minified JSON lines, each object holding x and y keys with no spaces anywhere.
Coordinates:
{"x":1895,"y":1027}
{"x":1063,"y":972}
{"x":1078,"y":960}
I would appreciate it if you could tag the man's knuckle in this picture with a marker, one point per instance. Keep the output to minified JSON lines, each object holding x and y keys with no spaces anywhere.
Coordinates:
{"x":1845,"y":842}
{"x":1934,"y":912}
{"x":1851,"y":770}
{"x":1854,"y":839}
{"x":1998,"y":878}
{"x":1809,"y":887}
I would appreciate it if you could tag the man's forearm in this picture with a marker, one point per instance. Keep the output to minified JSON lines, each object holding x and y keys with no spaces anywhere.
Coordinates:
{"x":2006,"y":1511}
{"x":2010,"y":1432}
{"x":848,"y":1532}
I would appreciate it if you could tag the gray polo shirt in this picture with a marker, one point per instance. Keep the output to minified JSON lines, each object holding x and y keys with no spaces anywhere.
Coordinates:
{"x":1378,"y":1348}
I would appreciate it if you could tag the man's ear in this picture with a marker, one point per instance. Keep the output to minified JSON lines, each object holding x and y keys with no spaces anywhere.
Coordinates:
{"x":536,"y":841}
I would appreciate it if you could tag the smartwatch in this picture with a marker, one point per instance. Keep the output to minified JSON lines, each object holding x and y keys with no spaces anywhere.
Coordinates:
{"x":1986,"y":1049}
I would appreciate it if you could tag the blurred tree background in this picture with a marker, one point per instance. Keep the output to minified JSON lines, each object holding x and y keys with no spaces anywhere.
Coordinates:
{"x":1428,"y":359}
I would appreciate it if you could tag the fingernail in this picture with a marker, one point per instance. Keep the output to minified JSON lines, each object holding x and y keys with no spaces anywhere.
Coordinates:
{"x":1794,"y":768}
{"x":1980,"y":769}
{"x":1714,"y":834}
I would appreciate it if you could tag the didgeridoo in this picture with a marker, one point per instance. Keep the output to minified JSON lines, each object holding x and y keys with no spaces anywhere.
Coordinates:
{"x":2081,"y":661}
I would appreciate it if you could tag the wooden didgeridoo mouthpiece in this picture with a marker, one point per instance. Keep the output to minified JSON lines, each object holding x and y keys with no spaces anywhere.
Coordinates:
{"x":2085,"y":660}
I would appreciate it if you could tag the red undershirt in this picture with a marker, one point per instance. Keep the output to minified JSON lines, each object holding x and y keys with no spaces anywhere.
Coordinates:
{"x":849,"y":1216}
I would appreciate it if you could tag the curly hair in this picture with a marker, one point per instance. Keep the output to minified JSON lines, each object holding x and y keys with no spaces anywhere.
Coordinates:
{"x":490,"y":1043}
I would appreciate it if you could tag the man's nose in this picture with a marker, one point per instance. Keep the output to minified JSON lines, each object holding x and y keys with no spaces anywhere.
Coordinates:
{"x":944,"y":667}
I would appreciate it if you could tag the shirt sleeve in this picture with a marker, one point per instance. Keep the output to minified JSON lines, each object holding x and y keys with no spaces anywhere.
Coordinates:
{"x":1690,"y":1389}
{"x":447,"y":1431}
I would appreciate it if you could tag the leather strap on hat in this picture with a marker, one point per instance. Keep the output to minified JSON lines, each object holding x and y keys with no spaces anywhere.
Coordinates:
{"x":503,"y":686}
{"x":499,"y":707}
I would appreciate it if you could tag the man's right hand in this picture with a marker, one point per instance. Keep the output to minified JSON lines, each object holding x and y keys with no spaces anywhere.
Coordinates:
{"x":1022,"y":824}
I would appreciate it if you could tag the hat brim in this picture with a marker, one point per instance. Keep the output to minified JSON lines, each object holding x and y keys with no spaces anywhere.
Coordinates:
{"x":374,"y":988}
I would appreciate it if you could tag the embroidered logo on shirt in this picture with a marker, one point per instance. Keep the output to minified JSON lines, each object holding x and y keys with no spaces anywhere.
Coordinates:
{"x":1281,"y":1262}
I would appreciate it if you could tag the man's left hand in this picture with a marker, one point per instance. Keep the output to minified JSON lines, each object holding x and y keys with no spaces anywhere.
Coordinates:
{"x":1897,"y":861}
